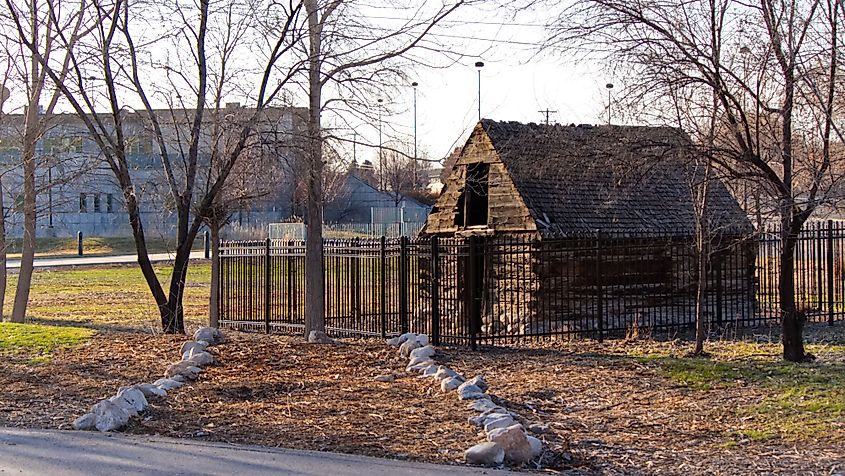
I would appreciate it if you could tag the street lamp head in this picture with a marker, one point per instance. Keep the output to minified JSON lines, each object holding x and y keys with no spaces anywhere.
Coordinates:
{"x":380,"y":100}
{"x":745,"y":50}
{"x":415,"y":84}
{"x":479,"y":64}
{"x":609,"y":85}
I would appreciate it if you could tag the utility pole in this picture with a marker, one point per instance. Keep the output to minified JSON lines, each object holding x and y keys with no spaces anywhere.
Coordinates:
{"x":479,"y":65}
{"x":380,"y":152}
{"x":414,"y":85}
{"x":547,"y":112}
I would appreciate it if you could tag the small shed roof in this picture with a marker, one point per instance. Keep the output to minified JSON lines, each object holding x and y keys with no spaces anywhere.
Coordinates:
{"x":625,"y":180}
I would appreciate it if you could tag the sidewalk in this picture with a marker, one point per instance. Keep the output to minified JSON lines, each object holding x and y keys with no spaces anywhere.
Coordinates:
{"x":50,"y":452}
{"x":97,"y":260}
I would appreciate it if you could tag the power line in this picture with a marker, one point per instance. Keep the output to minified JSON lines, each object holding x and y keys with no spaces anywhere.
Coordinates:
{"x":547,"y":112}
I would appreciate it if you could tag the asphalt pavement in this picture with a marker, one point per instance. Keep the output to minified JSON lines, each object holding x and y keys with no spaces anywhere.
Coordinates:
{"x":54,"y":452}
{"x":97,"y":260}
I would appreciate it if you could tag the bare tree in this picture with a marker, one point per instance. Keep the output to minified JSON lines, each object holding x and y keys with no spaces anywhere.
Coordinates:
{"x":43,"y":25}
{"x":791,"y":46}
{"x":349,"y":59}
{"x":129,"y":68}
{"x":402,"y":174}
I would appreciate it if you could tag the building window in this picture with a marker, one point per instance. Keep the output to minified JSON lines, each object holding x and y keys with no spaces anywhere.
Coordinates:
{"x":97,"y":203}
{"x":474,"y":202}
{"x":83,"y":203}
{"x":109,"y":203}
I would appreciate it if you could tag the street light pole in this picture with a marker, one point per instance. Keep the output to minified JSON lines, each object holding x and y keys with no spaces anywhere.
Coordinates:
{"x":479,"y":65}
{"x":414,"y":85}
{"x":380,"y":153}
{"x":609,"y":86}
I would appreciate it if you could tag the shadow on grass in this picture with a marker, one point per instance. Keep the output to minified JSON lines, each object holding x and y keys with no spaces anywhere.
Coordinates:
{"x":151,"y":328}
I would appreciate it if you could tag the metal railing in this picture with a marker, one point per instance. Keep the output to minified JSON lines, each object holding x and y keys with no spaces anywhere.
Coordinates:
{"x":494,"y":290}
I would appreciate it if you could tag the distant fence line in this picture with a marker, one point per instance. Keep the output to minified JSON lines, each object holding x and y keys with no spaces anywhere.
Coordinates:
{"x":486,"y":291}
{"x":296,"y":231}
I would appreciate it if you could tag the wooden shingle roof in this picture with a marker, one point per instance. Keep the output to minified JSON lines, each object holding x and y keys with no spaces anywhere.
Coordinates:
{"x":622,"y":180}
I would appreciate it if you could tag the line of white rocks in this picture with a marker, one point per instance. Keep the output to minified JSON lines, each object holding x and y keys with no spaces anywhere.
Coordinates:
{"x":114,"y":413}
{"x":507,"y":439}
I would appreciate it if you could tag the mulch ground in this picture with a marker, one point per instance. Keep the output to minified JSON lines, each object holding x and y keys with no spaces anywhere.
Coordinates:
{"x":608,"y":416}
{"x":265,"y":390}
{"x":619,"y":417}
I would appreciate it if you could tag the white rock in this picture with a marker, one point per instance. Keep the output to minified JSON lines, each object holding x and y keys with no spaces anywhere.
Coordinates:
{"x":134,"y":397}
{"x":150,"y":390}
{"x":482,"y":405}
{"x":422,"y":339}
{"x":449,"y":384}
{"x":429,"y":371}
{"x":167,"y":384}
{"x":394,"y":342}
{"x":318,"y":337}
{"x":407,"y":346}
{"x":468,"y":391}
{"x":479,"y":382}
{"x":179,"y":378}
{"x":109,"y":416}
{"x":499,"y":421}
{"x":185,"y":368}
{"x":199,"y":358}
{"x":419,"y":367}
{"x":211,"y":335}
{"x":444,"y":372}
{"x":189,"y":345}
{"x":385,"y":378}
{"x":87,"y":421}
{"x":424,"y":352}
{"x":419,"y":360}
{"x":536,"y":446}
{"x":406,"y":337}
{"x":487,"y":454}
{"x":514,"y":441}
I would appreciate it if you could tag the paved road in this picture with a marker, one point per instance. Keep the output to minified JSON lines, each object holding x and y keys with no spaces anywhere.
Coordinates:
{"x":51,"y":452}
{"x":97,"y":260}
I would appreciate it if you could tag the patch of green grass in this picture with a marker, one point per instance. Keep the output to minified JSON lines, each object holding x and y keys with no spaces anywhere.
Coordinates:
{"x":798,"y":400}
{"x":39,"y":339}
{"x":115,"y":297}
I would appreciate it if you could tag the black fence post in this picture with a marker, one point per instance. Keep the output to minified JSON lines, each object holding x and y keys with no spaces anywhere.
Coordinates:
{"x":290,"y":261}
{"x":599,"y":291}
{"x":435,"y":292}
{"x":383,"y":285}
{"x":403,"y":283}
{"x":267,"y":292}
{"x":471,"y":301}
{"x":207,"y":245}
{"x":720,"y":305}
{"x":79,"y":243}
{"x":354,"y":264}
{"x":830,"y":299}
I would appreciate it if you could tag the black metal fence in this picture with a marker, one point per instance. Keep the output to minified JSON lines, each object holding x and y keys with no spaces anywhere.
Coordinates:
{"x":489,"y":290}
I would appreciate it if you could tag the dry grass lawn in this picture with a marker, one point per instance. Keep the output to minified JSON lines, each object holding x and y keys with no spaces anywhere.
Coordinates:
{"x":621,"y":407}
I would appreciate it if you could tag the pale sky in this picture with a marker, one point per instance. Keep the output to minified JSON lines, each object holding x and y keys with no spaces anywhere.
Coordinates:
{"x":516,"y":83}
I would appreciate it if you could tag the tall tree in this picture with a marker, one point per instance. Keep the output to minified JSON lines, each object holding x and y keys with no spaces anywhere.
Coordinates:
{"x":773,"y":68}
{"x":351,"y":58}
{"x":42,"y":24}
{"x":126,"y":52}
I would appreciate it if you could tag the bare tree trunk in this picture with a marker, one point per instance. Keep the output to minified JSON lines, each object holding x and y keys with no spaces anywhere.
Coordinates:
{"x":314,"y":301}
{"x":213,"y":302}
{"x":792,"y":332}
{"x":3,"y":278}
{"x":28,"y":238}
{"x":701,"y":292}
